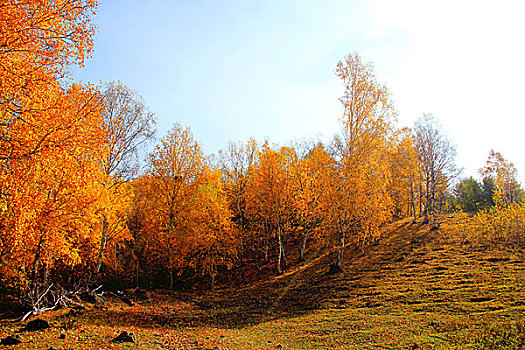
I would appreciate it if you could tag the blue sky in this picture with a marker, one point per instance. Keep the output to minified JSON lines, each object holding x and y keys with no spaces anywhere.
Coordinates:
{"x":232,"y":70}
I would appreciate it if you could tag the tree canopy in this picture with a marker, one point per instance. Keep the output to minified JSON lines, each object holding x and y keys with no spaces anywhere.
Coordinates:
{"x":82,"y":195}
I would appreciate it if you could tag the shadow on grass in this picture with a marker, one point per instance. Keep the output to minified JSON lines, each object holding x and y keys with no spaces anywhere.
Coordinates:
{"x":298,"y":292}
{"x":291,"y":295}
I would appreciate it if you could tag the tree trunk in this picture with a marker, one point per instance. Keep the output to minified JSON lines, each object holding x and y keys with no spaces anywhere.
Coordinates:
{"x":266,"y":248}
{"x":46,"y":275}
{"x":115,"y":257}
{"x":303,"y":246}
{"x":266,"y":242}
{"x":213,"y":274}
{"x":241,"y":225}
{"x":336,"y":259}
{"x":427,"y":204}
{"x":241,"y":257}
{"x":36,"y":263}
{"x":434,"y":209}
{"x":340,"y":251}
{"x":103,"y":243}
{"x":413,"y":200}
{"x":137,"y":272}
{"x":420,"y":200}
{"x":279,"y":268}
{"x":285,"y":260}
{"x":333,"y":263}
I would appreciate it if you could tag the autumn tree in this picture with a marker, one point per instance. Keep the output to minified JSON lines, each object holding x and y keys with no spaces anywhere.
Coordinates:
{"x":39,"y":40}
{"x":48,"y":199}
{"x":215,"y":239}
{"x":41,"y":121}
{"x":175,"y":166}
{"x":310,"y":181}
{"x":504,"y":176}
{"x":504,"y":221}
{"x":54,"y":141}
{"x":130,"y":127}
{"x":405,"y":184}
{"x":437,"y":155}
{"x":269,"y":199}
{"x":361,"y":202}
{"x":234,"y":162}
{"x":186,"y":214}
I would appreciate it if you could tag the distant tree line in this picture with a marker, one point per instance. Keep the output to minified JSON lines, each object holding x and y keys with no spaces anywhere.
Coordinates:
{"x":499,"y":184}
{"x":473,"y":196}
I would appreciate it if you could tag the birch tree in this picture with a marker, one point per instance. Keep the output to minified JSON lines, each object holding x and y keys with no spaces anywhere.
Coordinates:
{"x":130,"y":127}
{"x":362,"y":175}
{"x":437,"y":155}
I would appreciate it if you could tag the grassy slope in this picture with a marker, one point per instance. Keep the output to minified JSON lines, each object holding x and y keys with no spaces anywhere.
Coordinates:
{"x":414,"y":289}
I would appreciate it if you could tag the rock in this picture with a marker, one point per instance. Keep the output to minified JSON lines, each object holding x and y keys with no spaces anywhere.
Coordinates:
{"x":37,"y":325}
{"x":9,"y":340}
{"x":62,"y":336}
{"x":124,"y":337}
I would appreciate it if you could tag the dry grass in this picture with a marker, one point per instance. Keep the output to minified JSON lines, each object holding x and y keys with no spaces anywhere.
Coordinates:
{"x":415,"y":289}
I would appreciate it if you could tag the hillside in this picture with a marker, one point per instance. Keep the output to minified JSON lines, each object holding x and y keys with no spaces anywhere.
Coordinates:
{"x":414,"y":289}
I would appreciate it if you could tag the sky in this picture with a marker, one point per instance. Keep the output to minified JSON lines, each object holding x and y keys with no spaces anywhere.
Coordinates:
{"x":231,"y":70}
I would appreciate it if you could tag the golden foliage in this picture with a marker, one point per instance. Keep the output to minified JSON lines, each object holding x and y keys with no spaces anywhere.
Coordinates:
{"x":52,"y":139}
{"x":65,"y":156}
{"x":501,"y":223}
{"x":504,"y":175}
{"x":185,"y":214}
